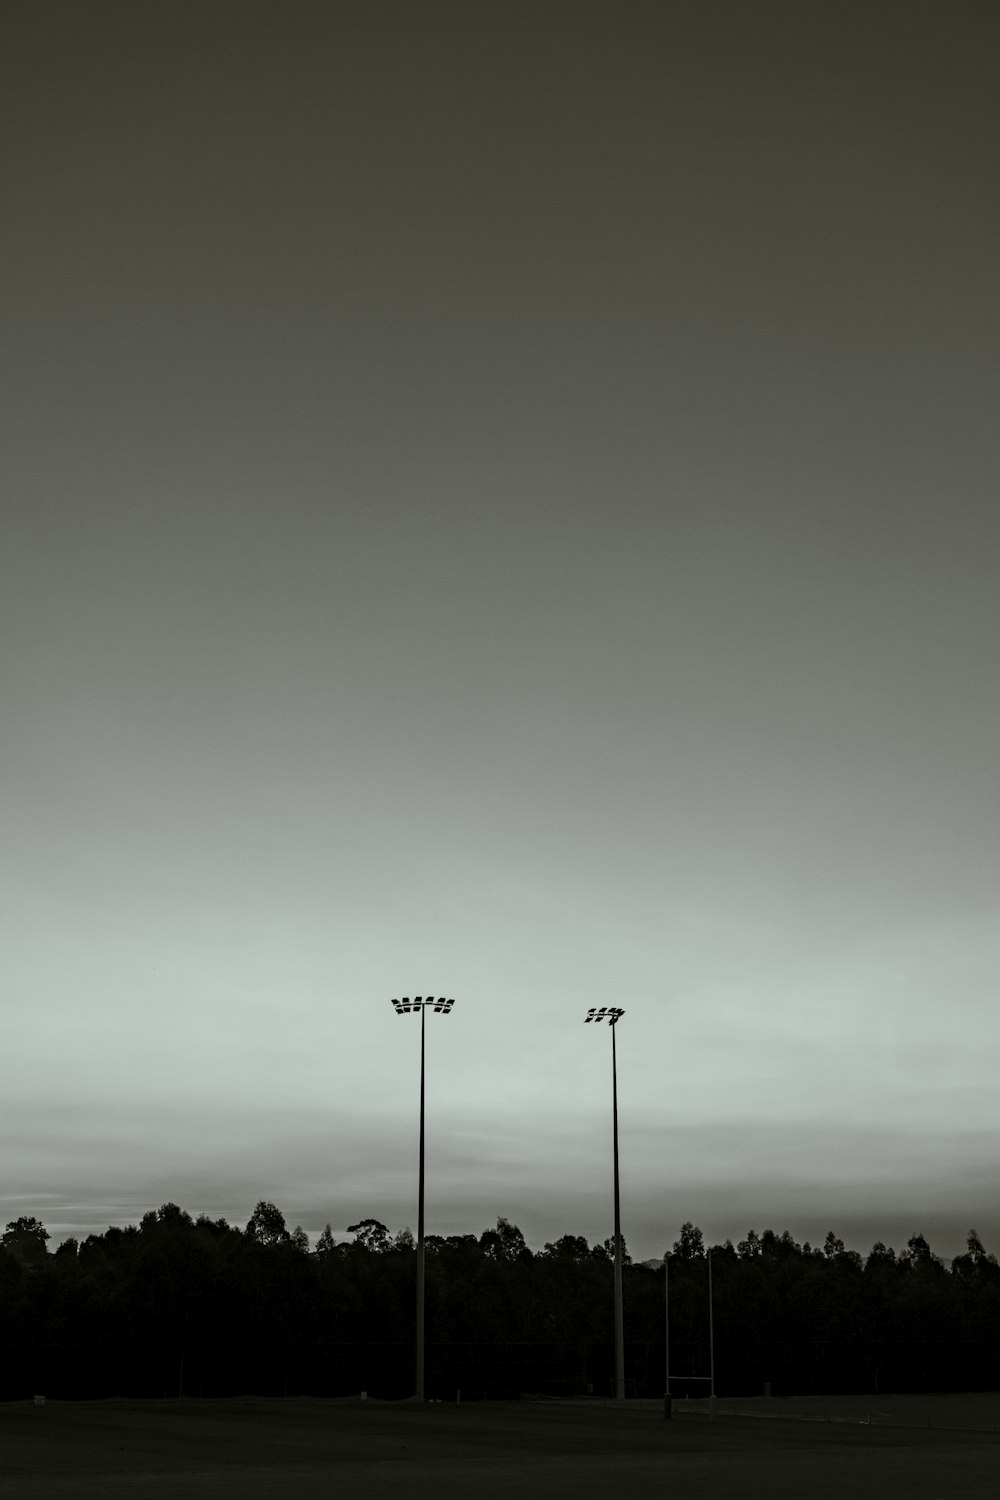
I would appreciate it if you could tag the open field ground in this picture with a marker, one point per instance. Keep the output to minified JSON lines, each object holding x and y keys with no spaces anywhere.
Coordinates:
{"x":306,"y":1449}
{"x":967,"y":1411}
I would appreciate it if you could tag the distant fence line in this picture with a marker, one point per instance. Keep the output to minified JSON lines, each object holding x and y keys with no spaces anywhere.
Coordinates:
{"x":869,"y":1416}
{"x":479,"y":1368}
{"x":337,"y":1368}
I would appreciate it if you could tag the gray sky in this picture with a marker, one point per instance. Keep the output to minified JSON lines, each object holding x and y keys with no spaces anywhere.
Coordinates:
{"x":502,"y":500}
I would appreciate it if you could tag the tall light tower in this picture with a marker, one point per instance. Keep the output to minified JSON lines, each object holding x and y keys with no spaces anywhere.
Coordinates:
{"x":612,"y":1014}
{"x":411,"y":1007}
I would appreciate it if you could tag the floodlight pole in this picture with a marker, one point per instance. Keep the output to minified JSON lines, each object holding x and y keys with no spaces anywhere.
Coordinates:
{"x":619,"y":1322}
{"x":711,"y":1335}
{"x":613,"y":1014}
{"x":666,"y":1332}
{"x":406,"y":1006}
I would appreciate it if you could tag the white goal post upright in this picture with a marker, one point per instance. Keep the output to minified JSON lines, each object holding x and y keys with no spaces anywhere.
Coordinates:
{"x":710,"y":1377}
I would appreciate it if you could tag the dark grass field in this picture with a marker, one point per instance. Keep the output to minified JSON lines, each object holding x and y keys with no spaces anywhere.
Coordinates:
{"x":306,"y":1449}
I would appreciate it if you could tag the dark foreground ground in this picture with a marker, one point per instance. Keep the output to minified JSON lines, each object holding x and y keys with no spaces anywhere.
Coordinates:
{"x":251,"y":1449}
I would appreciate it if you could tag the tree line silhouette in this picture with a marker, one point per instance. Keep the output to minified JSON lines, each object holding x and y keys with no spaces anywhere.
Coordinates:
{"x":183,"y":1306}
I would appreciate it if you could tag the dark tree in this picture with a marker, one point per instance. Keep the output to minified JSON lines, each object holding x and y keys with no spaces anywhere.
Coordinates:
{"x":370,"y":1234}
{"x":691,"y":1244}
{"x":204,"y":1308}
{"x":326,"y":1244}
{"x":169,"y":1216}
{"x":505,"y":1242}
{"x":266,"y":1225}
{"x":750,"y":1247}
{"x":569,"y":1247}
{"x":25,"y":1239}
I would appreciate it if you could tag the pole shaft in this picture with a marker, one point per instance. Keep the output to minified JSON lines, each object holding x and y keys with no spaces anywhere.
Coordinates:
{"x":711,"y":1333}
{"x":619,"y":1330}
{"x":666,"y":1322}
{"x":420,"y":1227}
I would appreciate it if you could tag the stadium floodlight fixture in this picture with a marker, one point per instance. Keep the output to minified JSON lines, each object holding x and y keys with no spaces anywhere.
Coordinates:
{"x":613,"y":1014}
{"x":407,"y":1006}
{"x":403,"y":1007}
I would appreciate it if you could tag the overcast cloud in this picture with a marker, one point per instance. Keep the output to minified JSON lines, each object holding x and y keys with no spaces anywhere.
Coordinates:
{"x":502,"y":502}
